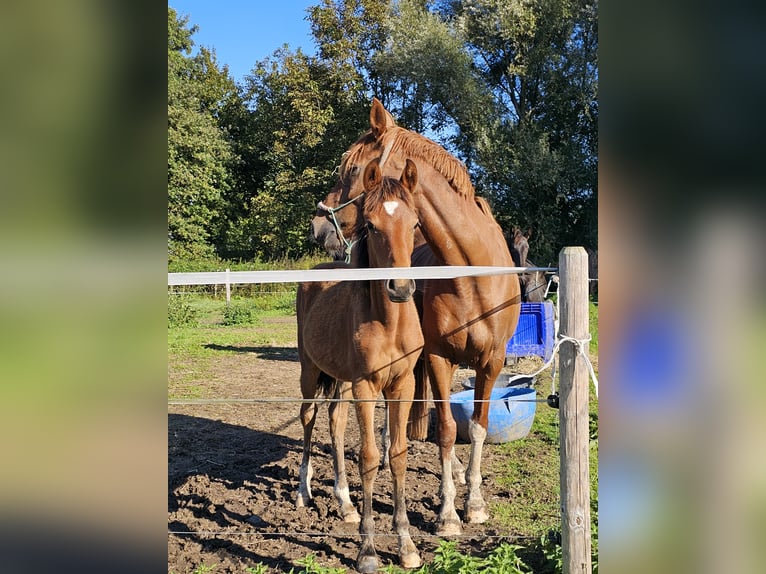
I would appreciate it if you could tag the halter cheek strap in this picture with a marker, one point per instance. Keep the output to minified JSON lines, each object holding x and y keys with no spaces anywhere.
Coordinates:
{"x":331,"y":210}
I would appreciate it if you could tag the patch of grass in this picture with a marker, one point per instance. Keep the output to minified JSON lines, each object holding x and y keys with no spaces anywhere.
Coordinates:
{"x":312,"y":566}
{"x":276,"y":304}
{"x":529,"y":473}
{"x":505,"y":559}
{"x":186,"y":391}
{"x":593,"y":323}
{"x":193,"y":348}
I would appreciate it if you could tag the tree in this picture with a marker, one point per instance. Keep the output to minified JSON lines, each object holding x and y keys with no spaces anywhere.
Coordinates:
{"x":303,"y":113}
{"x":510,"y":86}
{"x":199,"y":154}
{"x":539,"y":165}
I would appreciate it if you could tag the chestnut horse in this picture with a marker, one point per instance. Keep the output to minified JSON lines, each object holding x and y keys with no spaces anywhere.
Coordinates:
{"x":465,"y":320}
{"x":367,"y":333}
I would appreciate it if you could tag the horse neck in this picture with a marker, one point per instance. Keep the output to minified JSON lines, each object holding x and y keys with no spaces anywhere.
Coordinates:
{"x":457,"y":230}
{"x":382,"y":309}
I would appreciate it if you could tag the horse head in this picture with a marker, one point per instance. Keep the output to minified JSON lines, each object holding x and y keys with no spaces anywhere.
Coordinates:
{"x":389,"y":221}
{"x":325,"y":228}
{"x":339,"y":215}
{"x":519,"y":247}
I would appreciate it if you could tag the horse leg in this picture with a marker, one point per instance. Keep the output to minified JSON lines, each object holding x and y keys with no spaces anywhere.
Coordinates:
{"x":399,"y":413}
{"x":458,"y":470}
{"x":369,"y":459}
{"x":440,"y":373}
{"x":418,"y":425}
{"x":308,"y":414}
{"x":385,"y":440}
{"x":338,"y":412}
{"x":475,"y":507}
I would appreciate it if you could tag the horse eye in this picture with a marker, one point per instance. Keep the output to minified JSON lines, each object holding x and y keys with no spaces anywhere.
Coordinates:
{"x":370,"y":226}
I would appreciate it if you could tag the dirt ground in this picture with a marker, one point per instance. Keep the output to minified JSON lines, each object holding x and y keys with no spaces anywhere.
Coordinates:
{"x":233,"y":475}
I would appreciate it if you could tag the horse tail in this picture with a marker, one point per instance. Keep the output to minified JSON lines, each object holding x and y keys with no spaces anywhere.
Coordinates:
{"x":327,"y":386}
{"x":417,"y":427}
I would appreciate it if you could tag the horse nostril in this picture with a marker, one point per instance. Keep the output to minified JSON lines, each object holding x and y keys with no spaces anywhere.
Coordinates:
{"x":390,"y":285}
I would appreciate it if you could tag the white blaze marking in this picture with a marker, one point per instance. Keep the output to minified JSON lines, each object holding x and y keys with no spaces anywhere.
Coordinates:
{"x":390,"y":206}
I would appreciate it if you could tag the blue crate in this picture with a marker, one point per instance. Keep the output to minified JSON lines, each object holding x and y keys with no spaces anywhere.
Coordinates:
{"x":534,"y":333}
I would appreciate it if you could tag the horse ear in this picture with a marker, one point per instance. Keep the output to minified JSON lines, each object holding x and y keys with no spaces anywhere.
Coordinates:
{"x":409,"y":178}
{"x":380,"y":118}
{"x":528,"y":233}
{"x":372,"y":175}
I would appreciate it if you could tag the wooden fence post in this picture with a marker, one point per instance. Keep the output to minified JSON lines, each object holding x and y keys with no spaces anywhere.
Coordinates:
{"x":573,"y":413}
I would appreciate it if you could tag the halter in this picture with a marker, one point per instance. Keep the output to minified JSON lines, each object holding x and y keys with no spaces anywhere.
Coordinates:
{"x":331,"y":210}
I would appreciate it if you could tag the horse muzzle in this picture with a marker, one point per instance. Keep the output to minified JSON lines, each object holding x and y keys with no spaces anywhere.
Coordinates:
{"x":323,"y":233}
{"x":400,"y":290}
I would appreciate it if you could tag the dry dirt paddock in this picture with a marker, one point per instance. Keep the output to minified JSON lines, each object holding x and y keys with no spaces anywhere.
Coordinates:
{"x":233,"y":474}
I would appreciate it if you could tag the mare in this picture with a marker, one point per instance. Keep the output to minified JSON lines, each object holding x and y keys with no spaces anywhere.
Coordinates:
{"x":467,"y":320}
{"x":533,"y":285}
{"x":368,"y":334}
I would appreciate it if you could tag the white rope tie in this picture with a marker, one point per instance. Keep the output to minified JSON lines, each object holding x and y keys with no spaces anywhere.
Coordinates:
{"x":582,"y":348}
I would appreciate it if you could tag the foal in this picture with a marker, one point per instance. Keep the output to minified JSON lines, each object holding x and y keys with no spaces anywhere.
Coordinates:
{"x":367,"y":333}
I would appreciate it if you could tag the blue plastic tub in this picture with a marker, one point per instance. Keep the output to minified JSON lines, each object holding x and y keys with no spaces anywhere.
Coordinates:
{"x":511,"y":413}
{"x":504,"y":380}
{"x":534,"y":332}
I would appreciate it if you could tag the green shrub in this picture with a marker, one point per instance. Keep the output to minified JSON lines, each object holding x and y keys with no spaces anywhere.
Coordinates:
{"x":240,"y":313}
{"x":180,"y":313}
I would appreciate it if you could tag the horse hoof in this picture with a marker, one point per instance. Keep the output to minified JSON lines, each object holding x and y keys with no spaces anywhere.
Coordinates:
{"x":367,"y":564}
{"x":300,"y":502}
{"x":411,"y":561}
{"x":350,"y":516}
{"x":449,"y":528}
{"x":476,"y":515}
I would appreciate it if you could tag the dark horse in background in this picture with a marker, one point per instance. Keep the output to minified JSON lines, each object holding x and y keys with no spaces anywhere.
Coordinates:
{"x":467,"y":320}
{"x":368,"y":333}
{"x":533,"y":285}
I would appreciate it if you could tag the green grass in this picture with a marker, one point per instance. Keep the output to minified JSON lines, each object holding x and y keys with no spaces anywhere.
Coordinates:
{"x":593,"y":319}
{"x":194,"y":346}
{"x":529,"y":473}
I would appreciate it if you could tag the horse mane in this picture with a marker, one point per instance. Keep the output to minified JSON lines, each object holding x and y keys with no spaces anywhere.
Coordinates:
{"x":416,"y":146}
{"x":484,"y":207}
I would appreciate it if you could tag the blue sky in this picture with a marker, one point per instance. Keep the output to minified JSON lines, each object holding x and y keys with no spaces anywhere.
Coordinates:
{"x":244,"y":32}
